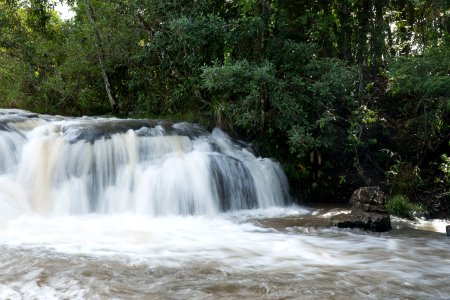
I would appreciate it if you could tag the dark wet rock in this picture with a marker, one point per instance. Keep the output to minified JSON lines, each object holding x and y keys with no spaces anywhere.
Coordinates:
{"x":447,"y":228}
{"x":234,"y":183}
{"x":17,"y":112}
{"x":12,"y":116}
{"x":91,"y":130}
{"x":190,"y":130}
{"x":368,"y":211}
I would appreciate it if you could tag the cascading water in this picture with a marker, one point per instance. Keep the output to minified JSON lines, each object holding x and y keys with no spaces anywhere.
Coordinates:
{"x":96,"y":165}
{"x":98,"y":208}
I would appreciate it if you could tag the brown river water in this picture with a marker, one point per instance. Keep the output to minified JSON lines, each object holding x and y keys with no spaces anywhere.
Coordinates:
{"x":246,"y":255}
{"x":102,"y":208}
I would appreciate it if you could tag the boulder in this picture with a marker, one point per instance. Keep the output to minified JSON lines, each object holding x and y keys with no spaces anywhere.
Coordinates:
{"x":368,"y":211}
{"x":447,"y":228}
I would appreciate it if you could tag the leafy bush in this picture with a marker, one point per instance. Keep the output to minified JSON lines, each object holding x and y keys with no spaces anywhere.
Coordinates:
{"x":425,"y":75}
{"x":399,"y":205}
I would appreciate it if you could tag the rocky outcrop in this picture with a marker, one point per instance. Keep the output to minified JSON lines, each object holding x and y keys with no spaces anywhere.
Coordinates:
{"x":368,"y":211}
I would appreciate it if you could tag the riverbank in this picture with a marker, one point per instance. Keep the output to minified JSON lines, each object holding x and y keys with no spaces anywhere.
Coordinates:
{"x":326,"y":215}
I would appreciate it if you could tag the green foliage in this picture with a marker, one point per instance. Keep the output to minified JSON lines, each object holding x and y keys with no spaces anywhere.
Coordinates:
{"x":306,"y":81}
{"x":245,"y":88}
{"x":444,"y":167}
{"x":422,"y":83}
{"x":301,"y":103}
{"x":426,"y":75}
{"x":400,"y":206}
{"x":29,"y":35}
{"x":404,"y":178}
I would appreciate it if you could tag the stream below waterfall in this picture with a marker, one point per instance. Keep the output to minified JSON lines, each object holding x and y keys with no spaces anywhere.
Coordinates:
{"x":96,"y":208}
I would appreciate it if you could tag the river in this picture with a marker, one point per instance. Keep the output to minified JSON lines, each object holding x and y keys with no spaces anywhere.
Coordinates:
{"x":109,"y":209}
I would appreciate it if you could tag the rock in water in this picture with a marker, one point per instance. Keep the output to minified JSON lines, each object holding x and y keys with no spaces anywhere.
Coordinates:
{"x":447,"y":228}
{"x":368,"y":210}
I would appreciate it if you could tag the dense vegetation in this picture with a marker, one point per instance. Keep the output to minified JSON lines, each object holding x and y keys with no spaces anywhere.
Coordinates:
{"x":343,"y":93}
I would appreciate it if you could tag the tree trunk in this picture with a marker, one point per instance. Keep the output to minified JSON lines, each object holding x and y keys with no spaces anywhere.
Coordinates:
{"x":345,"y":31}
{"x":364,"y":16}
{"x":100,"y":56}
{"x":378,"y":36}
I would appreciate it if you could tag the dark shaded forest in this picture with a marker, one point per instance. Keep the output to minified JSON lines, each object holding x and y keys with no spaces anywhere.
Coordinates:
{"x":343,"y":93}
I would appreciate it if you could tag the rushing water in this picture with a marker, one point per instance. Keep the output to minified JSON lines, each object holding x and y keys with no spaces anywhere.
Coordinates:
{"x":122,"y":209}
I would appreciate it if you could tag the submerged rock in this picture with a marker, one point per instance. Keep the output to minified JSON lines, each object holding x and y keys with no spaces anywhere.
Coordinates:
{"x":368,"y":211}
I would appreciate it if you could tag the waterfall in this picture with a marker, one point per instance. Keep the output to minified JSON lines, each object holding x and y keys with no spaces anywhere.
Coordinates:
{"x":71,"y":166}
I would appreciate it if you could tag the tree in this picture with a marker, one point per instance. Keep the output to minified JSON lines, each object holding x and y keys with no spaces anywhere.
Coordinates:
{"x":30,"y":32}
{"x":306,"y":81}
{"x":100,"y":53}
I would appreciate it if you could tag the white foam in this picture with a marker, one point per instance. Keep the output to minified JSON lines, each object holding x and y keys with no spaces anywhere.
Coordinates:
{"x":228,"y":244}
{"x":437,"y":225}
{"x":82,"y":165}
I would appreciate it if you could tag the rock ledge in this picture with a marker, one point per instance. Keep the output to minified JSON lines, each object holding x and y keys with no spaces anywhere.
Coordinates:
{"x":368,"y":211}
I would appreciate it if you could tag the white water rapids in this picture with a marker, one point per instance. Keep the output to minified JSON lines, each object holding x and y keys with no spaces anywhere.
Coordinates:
{"x":135,"y":209}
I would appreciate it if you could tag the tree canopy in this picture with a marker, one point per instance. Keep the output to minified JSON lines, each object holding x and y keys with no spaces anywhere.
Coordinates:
{"x":343,"y":93}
